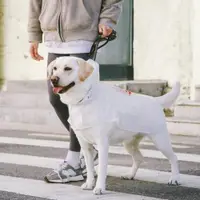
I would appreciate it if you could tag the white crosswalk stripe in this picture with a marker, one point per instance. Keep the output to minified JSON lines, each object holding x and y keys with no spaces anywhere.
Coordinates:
{"x":60,"y":136}
{"x":118,"y":171}
{"x":112,"y":149}
{"x":37,"y":188}
{"x":58,"y":192}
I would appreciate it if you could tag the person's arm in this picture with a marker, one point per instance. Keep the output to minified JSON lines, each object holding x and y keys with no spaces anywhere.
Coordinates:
{"x":110,"y":12}
{"x":34,"y":29}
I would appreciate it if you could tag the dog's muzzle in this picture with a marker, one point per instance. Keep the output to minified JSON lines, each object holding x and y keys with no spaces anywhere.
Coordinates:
{"x":54,"y":81}
{"x":57,"y":89}
{"x":66,"y":88}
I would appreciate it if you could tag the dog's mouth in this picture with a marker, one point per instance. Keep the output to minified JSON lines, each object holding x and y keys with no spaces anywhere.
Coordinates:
{"x":63,"y":89}
{"x":57,"y":90}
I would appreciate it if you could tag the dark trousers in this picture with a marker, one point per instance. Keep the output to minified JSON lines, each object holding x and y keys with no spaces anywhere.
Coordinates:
{"x":61,"y":108}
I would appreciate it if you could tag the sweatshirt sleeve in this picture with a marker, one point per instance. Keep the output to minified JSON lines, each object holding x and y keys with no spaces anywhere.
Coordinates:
{"x":34,"y":29}
{"x":110,"y":12}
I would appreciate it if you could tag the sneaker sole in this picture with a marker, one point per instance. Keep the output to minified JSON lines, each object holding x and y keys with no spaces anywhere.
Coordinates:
{"x":67,"y":180}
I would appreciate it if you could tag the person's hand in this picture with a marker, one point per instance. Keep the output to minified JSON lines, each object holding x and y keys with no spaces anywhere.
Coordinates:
{"x":105,"y":30}
{"x":34,"y":51}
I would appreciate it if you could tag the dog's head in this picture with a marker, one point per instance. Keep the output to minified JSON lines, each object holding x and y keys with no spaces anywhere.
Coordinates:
{"x":65,"y":72}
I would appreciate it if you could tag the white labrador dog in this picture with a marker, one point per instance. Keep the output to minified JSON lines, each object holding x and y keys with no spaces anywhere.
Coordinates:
{"x":103,"y":114}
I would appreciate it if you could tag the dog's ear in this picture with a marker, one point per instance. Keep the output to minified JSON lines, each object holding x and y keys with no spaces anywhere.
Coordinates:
{"x":50,"y":69}
{"x":85,"y":69}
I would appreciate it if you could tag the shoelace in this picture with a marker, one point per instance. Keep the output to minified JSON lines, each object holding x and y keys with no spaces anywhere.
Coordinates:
{"x":61,"y":166}
{"x":64,"y":164}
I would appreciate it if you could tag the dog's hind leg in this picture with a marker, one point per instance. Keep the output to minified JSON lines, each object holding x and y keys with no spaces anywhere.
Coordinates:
{"x":132,"y":148}
{"x":163,"y":143}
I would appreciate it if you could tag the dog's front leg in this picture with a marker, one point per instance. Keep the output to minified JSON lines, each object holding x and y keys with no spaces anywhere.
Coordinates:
{"x":103,"y":147}
{"x":87,"y":150}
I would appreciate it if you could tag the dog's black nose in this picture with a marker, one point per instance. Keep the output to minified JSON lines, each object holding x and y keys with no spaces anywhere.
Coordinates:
{"x":55,"y":80}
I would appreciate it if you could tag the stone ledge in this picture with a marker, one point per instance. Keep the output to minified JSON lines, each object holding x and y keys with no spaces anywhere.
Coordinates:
{"x":183,"y":126}
{"x":34,"y":127}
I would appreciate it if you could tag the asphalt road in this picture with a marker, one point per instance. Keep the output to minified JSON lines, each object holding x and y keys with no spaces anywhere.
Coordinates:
{"x":19,"y":158}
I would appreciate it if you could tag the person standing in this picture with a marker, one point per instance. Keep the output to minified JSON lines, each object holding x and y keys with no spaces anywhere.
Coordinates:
{"x":69,"y":28}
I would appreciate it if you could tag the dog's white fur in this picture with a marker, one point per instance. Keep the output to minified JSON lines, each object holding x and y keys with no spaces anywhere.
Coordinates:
{"x":102,"y":114}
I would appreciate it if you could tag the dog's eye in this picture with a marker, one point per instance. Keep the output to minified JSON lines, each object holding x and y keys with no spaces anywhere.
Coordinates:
{"x":67,"y":68}
{"x":55,"y":68}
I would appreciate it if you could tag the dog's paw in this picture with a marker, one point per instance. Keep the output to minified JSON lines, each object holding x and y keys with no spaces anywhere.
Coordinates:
{"x":98,"y":191}
{"x":174,"y":181}
{"x":88,"y":185}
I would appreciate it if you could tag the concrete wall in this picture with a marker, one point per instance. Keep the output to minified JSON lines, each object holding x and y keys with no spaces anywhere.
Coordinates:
{"x":18,"y":64}
{"x":166,"y":44}
{"x":1,"y":44}
{"x":195,"y":39}
{"x":162,"y":39}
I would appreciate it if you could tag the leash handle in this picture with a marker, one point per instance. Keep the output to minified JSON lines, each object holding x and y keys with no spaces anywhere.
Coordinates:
{"x":99,"y":38}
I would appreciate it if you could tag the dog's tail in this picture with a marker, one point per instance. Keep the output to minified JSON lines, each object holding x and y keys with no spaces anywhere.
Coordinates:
{"x":168,"y":99}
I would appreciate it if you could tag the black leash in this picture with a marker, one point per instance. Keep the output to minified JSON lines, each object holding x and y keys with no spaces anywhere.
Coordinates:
{"x":95,"y":46}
